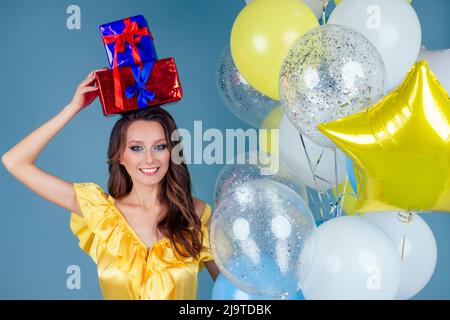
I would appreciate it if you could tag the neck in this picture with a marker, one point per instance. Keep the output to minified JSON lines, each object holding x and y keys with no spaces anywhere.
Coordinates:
{"x":145,"y":197}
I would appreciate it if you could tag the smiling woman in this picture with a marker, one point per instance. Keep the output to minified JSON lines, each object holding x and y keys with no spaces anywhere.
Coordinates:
{"x":142,"y":176}
{"x":149,"y":236}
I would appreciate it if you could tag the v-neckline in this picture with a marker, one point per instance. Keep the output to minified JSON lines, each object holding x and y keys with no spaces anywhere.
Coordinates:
{"x":133,"y":232}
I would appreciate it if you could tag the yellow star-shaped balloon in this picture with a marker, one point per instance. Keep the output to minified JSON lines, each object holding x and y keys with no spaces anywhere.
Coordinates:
{"x":401,"y":145}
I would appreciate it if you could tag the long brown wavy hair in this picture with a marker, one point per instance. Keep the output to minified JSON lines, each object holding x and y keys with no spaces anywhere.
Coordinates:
{"x":180,"y":223}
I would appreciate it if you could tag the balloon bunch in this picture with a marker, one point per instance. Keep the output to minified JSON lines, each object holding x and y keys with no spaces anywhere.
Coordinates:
{"x":363,"y":122}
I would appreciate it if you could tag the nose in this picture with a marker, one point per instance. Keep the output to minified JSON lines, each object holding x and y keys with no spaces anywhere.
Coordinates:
{"x":149,"y":156}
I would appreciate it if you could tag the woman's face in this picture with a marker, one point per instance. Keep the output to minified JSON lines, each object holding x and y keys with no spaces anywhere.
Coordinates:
{"x":145,"y":157}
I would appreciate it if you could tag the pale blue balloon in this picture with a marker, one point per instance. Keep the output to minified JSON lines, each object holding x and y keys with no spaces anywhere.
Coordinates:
{"x":224,"y":290}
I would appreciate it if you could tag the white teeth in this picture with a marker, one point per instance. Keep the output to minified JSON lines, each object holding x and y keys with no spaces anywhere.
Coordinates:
{"x":148,"y":170}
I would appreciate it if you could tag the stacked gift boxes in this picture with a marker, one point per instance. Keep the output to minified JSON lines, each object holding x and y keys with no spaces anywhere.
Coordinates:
{"x":137,"y":79}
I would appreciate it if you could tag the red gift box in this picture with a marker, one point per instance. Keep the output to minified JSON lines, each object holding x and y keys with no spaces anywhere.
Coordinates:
{"x":163,"y":82}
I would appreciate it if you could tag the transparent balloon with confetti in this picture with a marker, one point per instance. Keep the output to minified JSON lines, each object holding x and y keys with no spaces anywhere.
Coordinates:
{"x":258,"y":233}
{"x":244,"y":101}
{"x":257,"y":165}
{"x":331,"y":72}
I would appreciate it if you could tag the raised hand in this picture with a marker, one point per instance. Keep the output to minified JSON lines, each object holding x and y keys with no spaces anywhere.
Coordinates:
{"x":86,"y":92}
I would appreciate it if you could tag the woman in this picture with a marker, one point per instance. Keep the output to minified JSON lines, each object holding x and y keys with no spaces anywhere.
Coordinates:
{"x":148,"y":236}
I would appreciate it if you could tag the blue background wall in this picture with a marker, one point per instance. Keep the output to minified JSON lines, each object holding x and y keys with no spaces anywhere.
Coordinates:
{"x":42,"y":62}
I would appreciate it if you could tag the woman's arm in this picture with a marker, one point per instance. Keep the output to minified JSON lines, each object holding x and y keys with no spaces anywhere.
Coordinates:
{"x":210,"y":265}
{"x":19,"y":160}
{"x":212,"y":269}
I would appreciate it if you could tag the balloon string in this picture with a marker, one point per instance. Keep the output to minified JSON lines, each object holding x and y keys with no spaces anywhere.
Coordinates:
{"x":324,"y":8}
{"x":403,"y":246}
{"x":342,"y":198}
{"x":405,"y":217}
{"x":336,"y":184}
{"x":322,"y":207}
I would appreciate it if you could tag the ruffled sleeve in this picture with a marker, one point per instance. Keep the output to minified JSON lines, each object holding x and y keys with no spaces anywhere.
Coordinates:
{"x":205,"y":254}
{"x":101,"y":231}
{"x":92,"y":201}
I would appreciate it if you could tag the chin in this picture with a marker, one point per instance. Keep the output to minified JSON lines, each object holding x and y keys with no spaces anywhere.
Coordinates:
{"x":150,"y":181}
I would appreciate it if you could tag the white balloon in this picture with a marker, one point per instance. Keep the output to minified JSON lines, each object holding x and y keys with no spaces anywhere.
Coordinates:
{"x":439,"y":63}
{"x":391,"y":25}
{"x":419,"y":250}
{"x":315,"y":5}
{"x":292,"y":151}
{"x":351,"y":259}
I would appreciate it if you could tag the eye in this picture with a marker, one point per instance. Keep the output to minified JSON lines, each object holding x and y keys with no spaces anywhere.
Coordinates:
{"x":135,"y":148}
{"x":160,"y":147}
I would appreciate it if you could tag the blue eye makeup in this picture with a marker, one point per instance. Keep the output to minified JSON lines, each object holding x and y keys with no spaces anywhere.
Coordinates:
{"x":135,"y":148}
{"x":160,"y":147}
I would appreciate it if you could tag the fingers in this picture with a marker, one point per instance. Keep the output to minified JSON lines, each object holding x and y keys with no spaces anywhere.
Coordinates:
{"x":89,"y":89}
{"x":97,"y":70}
{"x":90,"y":78}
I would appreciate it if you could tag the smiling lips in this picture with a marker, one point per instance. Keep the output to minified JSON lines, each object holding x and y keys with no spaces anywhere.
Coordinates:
{"x":149,"y":171}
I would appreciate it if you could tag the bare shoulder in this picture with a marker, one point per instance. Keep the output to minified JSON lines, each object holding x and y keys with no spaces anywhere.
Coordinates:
{"x":199,"y":206}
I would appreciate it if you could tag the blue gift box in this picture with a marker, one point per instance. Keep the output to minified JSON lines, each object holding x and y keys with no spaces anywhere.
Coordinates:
{"x":128,"y":42}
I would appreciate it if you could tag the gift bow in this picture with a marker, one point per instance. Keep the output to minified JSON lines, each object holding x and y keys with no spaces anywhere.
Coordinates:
{"x":131,"y":34}
{"x":141,"y":77}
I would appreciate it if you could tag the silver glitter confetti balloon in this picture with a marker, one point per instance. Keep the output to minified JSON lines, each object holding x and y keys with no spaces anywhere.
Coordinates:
{"x":330,"y":73}
{"x":241,"y":98}
{"x":249,"y":166}
{"x":257,"y":237}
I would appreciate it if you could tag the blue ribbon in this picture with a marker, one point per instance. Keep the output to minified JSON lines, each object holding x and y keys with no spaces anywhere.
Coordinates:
{"x":141,"y":77}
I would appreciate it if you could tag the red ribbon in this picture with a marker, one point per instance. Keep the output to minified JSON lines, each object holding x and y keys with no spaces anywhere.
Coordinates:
{"x":131,"y":34}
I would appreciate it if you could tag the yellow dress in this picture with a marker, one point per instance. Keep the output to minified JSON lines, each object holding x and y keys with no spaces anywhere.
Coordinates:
{"x":126,"y":269}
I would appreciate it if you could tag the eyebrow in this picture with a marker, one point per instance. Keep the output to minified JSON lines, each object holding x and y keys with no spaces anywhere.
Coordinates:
{"x":140,"y":141}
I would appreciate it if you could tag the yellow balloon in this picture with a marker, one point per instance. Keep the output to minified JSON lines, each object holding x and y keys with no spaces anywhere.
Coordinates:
{"x":271,"y":121}
{"x":401,"y":145}
{"x":261,"y":36}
